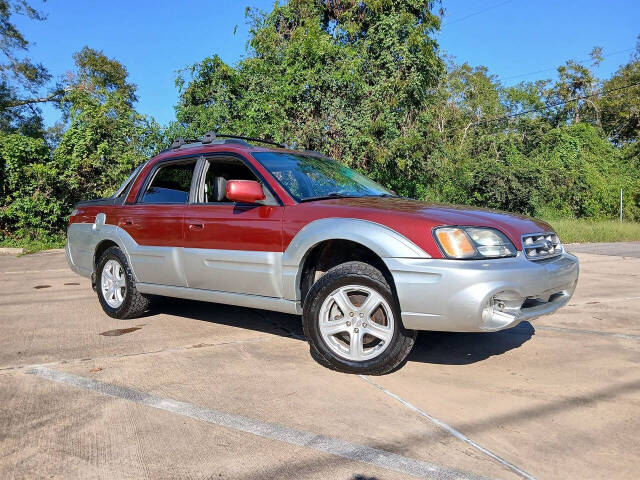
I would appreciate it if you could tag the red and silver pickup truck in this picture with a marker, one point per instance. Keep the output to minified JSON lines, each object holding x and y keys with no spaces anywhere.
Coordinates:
{"x":228,"y":221}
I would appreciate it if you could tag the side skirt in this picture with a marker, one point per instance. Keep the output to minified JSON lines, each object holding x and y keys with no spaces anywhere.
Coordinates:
{"x":228,"y":298}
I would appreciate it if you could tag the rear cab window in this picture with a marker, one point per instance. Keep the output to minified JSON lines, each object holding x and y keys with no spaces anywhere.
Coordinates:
{"x":170,"y":184}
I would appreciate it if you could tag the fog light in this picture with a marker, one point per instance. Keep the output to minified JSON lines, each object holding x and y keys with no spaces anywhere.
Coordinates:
{"x":487,"y":313}
{"x":501,"y":309}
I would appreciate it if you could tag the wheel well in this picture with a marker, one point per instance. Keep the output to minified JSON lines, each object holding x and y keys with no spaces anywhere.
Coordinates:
{"x":330,"y":253}
{"x":100,"y":249}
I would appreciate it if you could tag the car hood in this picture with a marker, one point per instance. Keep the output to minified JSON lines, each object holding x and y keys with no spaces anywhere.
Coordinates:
{"x":435,"y":214}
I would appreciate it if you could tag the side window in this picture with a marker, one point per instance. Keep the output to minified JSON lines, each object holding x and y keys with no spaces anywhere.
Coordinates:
{"x":219,"y":172}
{"x":170,"y":184}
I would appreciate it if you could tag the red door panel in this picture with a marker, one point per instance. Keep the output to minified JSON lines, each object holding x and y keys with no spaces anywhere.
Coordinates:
{"x":153,"y":225}
{"x":234,"y":227}
{"x":234,"y":248}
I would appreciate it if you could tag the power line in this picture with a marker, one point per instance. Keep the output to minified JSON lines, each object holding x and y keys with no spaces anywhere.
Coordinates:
{"x":554,"y":68}
{"x":557,"y":104}
{"x":460,"y":19}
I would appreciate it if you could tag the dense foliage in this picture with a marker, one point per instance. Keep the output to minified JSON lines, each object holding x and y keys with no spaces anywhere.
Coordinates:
{"x":362,"y":81}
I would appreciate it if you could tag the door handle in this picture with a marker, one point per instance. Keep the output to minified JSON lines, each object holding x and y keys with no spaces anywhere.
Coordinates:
{"x":196,"y":226}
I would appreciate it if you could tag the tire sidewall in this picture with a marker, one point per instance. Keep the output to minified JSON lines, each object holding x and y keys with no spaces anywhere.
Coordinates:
{"x":116,"y":254}
{"x":317,"y":295}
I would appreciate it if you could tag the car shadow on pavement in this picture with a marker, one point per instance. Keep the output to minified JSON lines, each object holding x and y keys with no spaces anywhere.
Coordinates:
{"x":446,"y":348}
{"x":264,"y":321}
{"x":449,"y":348}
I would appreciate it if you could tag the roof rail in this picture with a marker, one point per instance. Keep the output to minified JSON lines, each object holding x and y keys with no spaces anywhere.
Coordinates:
{"x":208,"y":137}
{"x":211,"y":137}
{"x":180,"y":141}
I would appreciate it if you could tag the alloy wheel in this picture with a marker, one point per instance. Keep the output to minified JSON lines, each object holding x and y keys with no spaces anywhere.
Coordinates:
{"x":356,"y":322}
{"x":113,"y":283}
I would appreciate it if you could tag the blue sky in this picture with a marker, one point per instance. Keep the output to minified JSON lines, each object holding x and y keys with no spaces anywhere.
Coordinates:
{"x":154,"y":39}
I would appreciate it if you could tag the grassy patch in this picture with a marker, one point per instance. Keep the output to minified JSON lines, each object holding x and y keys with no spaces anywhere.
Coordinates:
{"x":580,"y":231}
{"x":33,"y":244}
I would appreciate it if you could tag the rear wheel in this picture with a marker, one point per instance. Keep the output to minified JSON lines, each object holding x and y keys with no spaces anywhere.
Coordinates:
{"x":352,"y":321}
{"x":116,"y":286}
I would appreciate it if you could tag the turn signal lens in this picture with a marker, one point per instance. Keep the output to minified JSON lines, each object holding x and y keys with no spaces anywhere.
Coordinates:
{"x":455,"y":243}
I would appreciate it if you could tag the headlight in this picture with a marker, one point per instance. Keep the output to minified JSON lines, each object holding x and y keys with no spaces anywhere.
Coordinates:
{"x":473,"y":242}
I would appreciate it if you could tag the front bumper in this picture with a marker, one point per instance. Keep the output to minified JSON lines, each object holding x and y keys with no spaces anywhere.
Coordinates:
{"x":480,"y":295}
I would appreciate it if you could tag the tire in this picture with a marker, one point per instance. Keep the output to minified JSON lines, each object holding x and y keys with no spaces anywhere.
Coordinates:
{"x":129,"y":303}
{"x":381,"y":341}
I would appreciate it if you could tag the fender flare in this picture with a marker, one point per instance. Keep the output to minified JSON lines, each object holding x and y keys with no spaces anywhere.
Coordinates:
{"x":104,"y":232}
{"x":380,"y":239}
{"x":112,"y":233}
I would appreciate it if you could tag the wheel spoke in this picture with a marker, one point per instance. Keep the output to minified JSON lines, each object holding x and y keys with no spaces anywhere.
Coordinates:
{"x":334,"y":326}
{"x":356,"y":348}
{"x":370,"y":304}
{"x":379,"y":331}
{"x":343,"y":302}
{"x":106,"y":273}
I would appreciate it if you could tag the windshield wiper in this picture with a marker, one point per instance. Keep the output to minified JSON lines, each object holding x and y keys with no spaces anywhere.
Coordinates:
{"x":381,"y":195}
{"x":329,"y":195}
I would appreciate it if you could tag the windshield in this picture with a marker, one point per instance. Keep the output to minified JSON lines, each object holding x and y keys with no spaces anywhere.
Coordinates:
{"x":307,"y":177}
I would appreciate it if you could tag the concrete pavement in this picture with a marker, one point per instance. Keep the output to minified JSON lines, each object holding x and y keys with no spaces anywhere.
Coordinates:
{"x":618,"y":249}
{"x":197,"y":390}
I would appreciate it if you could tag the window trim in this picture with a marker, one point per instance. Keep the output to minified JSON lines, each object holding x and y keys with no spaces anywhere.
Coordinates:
{"x":121,"y":195}
{"x":161,"y":164}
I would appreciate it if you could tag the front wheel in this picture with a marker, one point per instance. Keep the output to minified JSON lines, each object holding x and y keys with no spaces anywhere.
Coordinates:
{"x":352,"y":321}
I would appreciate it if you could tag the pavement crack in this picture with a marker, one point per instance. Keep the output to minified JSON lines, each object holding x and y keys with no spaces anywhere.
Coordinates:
{"x":460,"y":436}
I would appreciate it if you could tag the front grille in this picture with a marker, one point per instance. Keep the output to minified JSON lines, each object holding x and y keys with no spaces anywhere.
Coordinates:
{"x":537,"y":246}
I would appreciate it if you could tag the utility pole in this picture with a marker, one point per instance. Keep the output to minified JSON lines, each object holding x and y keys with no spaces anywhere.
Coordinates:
{"x":620,"y":205}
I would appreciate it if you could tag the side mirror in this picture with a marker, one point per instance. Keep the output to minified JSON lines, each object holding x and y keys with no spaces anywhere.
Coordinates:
{"x":244,"y":191}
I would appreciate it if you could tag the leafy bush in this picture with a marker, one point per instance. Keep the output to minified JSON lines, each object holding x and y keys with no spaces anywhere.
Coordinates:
{"x":32,"y":204}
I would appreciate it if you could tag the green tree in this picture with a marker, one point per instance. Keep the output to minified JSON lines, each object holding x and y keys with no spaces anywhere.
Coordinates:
{"x":106,"y":137}
{"x":621,"y":108}
{"x":22,"y":81}
{"x":362,"y":81}
{"x":348,"y":78}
